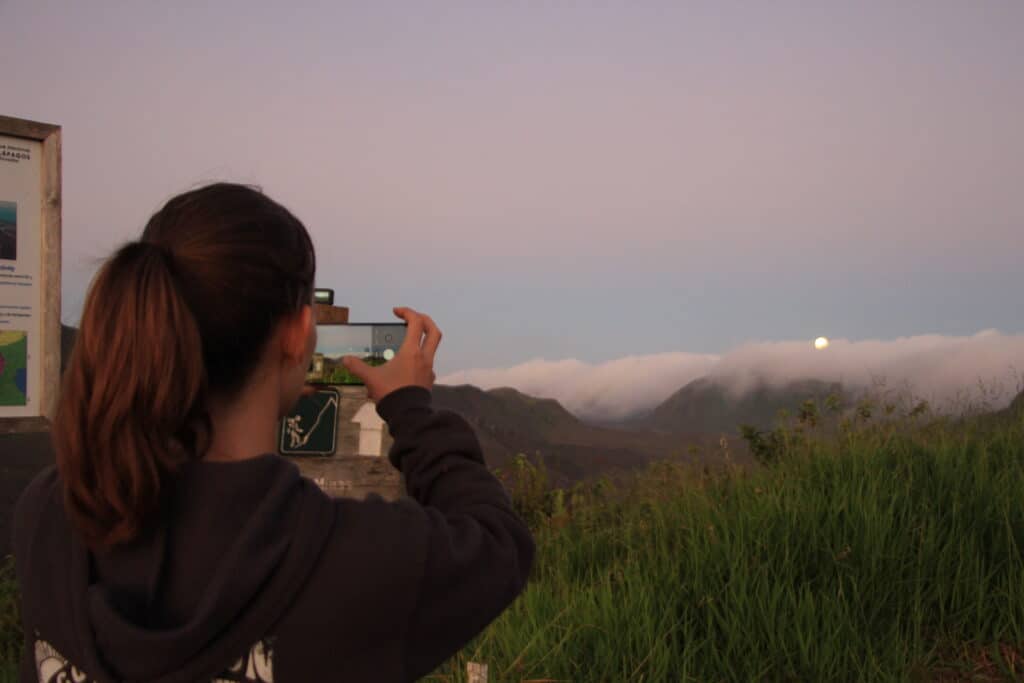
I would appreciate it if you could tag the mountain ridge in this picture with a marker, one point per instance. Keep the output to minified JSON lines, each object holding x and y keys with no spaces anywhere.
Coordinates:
{"x":707,"y":404}
{"x":508,"y":422}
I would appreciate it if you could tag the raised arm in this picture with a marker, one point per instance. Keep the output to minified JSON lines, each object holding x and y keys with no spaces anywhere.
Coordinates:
{"x":479,"y":552}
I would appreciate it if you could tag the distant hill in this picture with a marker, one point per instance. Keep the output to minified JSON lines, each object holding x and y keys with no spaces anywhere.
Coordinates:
{"x":1014,"y":411}
{"x":706,"y":405}
{"x":509,"y":422}
{"x":507,"y":411}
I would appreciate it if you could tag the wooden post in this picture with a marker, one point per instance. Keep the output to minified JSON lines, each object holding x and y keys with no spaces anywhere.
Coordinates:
{"x":331,"y":314}
{"x":477,"y":672}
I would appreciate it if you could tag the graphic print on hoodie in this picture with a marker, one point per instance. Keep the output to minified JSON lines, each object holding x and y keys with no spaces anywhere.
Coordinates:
{"x":256,"y":575}
{"x":255,"y":667}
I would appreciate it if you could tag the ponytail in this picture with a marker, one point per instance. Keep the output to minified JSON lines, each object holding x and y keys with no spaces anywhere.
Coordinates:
{"x":170,"y":323}
{"x":132,"y":402}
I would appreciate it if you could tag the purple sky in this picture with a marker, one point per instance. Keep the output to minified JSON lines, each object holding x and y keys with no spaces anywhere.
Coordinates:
{"x":572,"y":182}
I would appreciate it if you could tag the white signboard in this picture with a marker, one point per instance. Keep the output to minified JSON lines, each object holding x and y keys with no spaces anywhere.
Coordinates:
{"x":29,"y":273}
{"x":21,"y":302}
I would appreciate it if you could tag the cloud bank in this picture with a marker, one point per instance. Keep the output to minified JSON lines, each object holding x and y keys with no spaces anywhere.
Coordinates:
{"x":609,"y":390}
{"x":942,"y":369}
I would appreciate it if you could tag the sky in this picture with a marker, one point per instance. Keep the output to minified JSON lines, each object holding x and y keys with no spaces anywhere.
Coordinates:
{"x":568,"y":183}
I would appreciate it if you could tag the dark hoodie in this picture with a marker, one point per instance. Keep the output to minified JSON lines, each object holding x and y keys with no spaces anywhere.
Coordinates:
{"x":254,"y":574}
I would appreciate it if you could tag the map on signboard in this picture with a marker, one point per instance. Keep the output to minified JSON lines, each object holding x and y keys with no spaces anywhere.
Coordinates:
{"x":312,"y":428}
{"x":13,"y":368}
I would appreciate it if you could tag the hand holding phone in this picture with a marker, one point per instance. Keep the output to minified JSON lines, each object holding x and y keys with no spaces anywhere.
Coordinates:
{"x":412,"y":365}
{"x":373,"y":343}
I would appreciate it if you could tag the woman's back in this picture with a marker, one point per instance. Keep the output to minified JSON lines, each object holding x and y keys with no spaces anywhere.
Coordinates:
{"x":243,"y":570}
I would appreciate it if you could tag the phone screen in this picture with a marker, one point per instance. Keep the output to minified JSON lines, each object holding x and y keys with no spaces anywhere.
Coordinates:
{"x":374,"y":343}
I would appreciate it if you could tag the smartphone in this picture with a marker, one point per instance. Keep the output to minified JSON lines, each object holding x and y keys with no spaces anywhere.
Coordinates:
{"x":374,"y":343}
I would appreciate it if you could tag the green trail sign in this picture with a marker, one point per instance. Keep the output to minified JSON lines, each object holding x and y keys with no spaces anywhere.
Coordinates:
{"x":312,"y":429}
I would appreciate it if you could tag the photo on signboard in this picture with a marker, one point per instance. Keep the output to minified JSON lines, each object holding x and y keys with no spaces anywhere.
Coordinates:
{"x":13,"y":371}
{"x":8,"y":230}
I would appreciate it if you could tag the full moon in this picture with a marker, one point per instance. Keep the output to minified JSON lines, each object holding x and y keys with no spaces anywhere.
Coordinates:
{"x":821,"y":343}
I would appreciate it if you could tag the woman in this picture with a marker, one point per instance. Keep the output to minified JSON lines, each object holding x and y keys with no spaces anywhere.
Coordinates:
{"x":171,"y":543}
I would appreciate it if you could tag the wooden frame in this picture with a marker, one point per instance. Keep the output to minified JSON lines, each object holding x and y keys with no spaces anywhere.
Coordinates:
{"x":49,"y":284}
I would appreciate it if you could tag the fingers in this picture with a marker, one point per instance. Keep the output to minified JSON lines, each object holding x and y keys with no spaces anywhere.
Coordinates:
{"x":414,"y":329}
{"x":356,"y":366}
{"x":420,"y":324}
{"x":433,"y":338}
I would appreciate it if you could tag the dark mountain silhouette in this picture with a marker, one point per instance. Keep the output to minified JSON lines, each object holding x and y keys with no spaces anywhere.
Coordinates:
{"x":1017,"y":405}
{"x":508,"y":422}
{"x":706,"y":405}
{"x":67,"y":343}
{"x":1014,"y":411}
{"x":506,"y":410}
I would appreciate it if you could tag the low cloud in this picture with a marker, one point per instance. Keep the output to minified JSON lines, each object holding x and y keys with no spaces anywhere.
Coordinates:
{"x":609,"y":390}
{"x":941,"y":369}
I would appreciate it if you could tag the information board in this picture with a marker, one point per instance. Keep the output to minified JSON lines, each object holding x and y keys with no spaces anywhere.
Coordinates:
{"x":29,"y":273}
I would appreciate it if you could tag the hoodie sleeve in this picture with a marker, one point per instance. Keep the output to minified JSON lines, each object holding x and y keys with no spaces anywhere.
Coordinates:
{"x":479,"y":552}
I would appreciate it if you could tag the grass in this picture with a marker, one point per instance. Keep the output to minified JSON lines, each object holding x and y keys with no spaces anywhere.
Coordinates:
{"x":870,"y":545}
{"x":874,"y":548}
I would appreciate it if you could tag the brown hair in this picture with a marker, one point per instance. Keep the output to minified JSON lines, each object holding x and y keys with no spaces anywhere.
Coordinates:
{"x":181,"y":314}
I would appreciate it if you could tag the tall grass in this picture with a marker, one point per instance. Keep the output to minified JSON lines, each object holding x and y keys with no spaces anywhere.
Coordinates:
{"x":867,"y":549}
